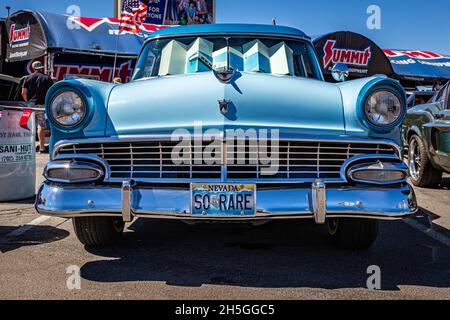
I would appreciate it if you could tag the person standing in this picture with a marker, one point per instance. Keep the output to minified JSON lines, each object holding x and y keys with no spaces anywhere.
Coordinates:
{"x":202,"y":10}
{"x":181,"y":9}
{"x":34,"y":89}
{"x":191,"y":12}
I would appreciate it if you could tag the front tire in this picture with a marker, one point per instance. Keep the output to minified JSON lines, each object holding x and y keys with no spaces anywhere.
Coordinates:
{"x":98,"y":231}
{"x":422,"y":172}
{"x":353,"y":234}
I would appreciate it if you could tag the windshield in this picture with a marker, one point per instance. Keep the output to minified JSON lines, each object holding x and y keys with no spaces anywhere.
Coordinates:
{"x":188,"y":55}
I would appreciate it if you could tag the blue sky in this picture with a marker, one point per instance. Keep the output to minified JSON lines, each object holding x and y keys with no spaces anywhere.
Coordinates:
{"x":412,"y":24}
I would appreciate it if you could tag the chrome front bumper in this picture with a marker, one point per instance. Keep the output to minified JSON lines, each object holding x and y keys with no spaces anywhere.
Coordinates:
{"x":317,"y":202}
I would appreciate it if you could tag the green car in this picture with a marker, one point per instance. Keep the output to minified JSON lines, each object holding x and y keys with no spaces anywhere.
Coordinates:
{"x":427,"y":134}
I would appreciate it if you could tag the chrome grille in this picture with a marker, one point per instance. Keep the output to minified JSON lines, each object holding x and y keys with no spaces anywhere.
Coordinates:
{"x":145,"y":160}
{"x":298,"y":161}
{"x":303,"y":160}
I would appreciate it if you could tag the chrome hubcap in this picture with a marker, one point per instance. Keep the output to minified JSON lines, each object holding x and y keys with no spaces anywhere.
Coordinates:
{"x":414,"y":160}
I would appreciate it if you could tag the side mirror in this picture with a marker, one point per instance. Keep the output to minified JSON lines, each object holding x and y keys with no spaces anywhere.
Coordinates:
{"x":340,"y":72}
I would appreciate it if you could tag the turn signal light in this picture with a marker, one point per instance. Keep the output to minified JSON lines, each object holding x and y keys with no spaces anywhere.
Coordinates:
{"x":379,"y":173}
{"x":73,"y":172}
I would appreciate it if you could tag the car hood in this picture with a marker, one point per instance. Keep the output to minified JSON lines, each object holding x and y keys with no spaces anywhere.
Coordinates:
{"x":160,"y":105}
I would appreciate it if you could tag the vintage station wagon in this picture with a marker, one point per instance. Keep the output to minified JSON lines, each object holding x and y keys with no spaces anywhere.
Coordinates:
{"x":227,"y":123}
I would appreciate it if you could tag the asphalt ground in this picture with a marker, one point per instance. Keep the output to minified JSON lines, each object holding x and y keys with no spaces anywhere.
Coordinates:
{"x":171,"y":260}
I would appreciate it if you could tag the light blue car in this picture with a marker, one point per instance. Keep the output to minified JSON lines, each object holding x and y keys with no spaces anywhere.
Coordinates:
{"x":227,"y":123}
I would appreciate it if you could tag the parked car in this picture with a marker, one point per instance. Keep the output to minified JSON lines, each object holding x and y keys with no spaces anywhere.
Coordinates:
{"x":9,"y":88}
{"x":11,"y":95}
{"x":427,"y":132}
{"x":418,"y":98}
{"x":186,"y":139}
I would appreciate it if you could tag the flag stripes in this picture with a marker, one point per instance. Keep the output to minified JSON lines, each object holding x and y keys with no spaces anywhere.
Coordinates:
{"x":133,"y":15}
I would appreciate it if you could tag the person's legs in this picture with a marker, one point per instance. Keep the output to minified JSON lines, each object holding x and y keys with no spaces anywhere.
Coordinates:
{"x":41,"y":126}
{"x":41,"y":138}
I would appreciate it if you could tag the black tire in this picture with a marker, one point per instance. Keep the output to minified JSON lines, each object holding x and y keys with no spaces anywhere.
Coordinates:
{"x":423,"y":173}
{"x":98,"y":231}
{"x":353,"y":234}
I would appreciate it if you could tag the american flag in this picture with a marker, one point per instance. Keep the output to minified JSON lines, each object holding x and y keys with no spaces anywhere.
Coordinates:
{"x":134,"y":13}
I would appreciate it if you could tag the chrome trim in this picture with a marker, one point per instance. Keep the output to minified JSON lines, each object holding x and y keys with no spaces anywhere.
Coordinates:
{"x":414,"y":160}
{"x":319,"y":201}
{"x":72,"y":165}
{"x":127,"y":197}
{"x":61,"y":125}
{"x":174,"y":203}
{"x":88,"y":157}
{"x":367,"y":157}
{"x":168,"y":138}
{"x":400,"y":167}
{"x":224,"y":171}
{"x":398,"y":121}
{"x":258,"y":216}
{"x":273,"y":216}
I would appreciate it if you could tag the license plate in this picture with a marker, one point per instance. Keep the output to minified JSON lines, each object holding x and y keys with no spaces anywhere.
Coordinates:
{"x":223,"y":199}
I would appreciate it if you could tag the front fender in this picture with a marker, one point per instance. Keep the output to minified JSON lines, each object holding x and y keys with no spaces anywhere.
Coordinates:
{"x":417,"y":120}
{"x":353,"y":96}
{"x":413,"y":130}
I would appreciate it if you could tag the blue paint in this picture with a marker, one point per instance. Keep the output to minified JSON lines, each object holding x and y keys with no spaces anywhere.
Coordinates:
{"x":228,"y":29}
{"x":293,"y":105}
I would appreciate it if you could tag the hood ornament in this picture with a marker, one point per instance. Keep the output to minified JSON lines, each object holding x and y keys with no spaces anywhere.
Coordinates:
{"x":223,"y":106}
{"x":225,"y":76}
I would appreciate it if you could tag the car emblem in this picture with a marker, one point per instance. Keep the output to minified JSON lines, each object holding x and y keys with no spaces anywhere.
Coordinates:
{"x":225,"y":76}
{"x":223,"y":105}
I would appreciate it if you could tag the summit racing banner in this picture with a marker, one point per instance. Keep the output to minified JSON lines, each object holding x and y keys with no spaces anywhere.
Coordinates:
{"x":35,"y":33}
{"x":353,"y":57}
{"x":363,"y":57}
{"x":26,"y":39}
{"x":420,"y":64}
{"x":70,"y":66}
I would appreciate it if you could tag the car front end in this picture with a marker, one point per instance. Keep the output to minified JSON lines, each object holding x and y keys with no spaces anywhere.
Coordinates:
{"x":243,"y":130}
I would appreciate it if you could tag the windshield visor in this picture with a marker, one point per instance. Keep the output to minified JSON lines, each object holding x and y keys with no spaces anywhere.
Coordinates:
{"x":189,"y":55}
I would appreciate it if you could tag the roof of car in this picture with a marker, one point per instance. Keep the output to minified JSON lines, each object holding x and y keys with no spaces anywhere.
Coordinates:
{"x":229,"y":29}
{"x":9,"y":78}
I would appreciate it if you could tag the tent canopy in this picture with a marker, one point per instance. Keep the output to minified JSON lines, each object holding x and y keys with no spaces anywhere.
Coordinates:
{"x":364,"y":57}
{"x":419,"y":64}
{"x":35,"y":32}
{"x":32,"y":34}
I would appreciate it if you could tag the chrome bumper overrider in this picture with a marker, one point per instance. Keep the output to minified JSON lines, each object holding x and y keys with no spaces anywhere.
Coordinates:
{"x":316,"y":202}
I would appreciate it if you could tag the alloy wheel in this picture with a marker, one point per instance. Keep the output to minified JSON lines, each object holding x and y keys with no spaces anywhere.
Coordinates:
{"x":414,"y":160}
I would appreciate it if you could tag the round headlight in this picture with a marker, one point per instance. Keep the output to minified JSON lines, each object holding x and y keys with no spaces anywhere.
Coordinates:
{"x":383,"y":108}
{"x":68,"y":109}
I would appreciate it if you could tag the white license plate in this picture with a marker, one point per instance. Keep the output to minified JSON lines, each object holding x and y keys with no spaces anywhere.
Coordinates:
{"x":223,"y":199}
